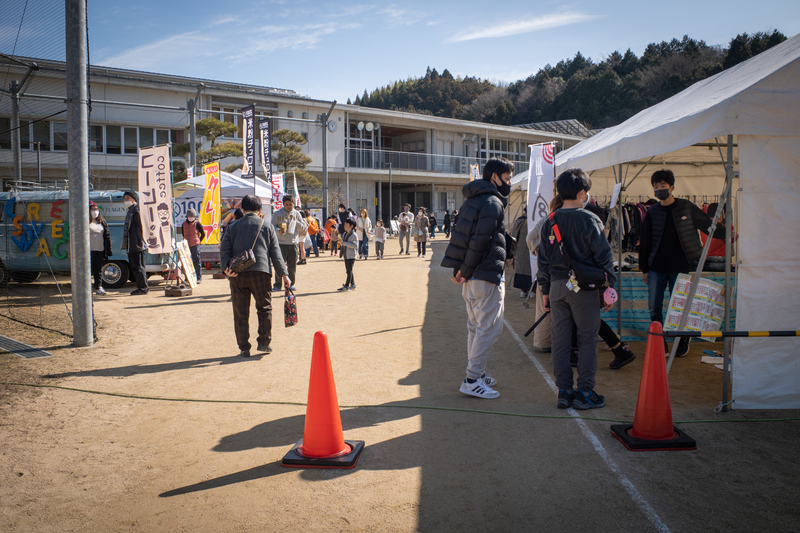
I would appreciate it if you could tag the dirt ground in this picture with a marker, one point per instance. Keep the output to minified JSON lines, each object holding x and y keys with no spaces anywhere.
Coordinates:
{"x":435,"y":460}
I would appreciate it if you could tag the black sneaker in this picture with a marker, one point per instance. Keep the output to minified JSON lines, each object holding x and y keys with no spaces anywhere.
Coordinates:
{"x":264,"y":348}
{"x":244,"y":353}
{"x":683,"y":347}
{"x":622,"y":356}
{"x":565,"y":399}
{"x":585,"y":401}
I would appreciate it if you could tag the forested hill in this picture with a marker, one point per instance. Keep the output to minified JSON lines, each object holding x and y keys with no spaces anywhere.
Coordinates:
{"x":598,"y":93}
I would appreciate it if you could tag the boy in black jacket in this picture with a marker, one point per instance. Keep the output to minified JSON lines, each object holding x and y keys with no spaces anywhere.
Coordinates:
{"x":477,"y":254}
{"x":584,"y":242}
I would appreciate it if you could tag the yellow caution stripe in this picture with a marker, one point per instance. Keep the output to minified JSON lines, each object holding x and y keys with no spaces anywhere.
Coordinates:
{"x":721,"y":334}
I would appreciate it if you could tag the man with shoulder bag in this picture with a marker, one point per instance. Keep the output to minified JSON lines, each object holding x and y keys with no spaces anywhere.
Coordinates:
{"x":246,"y":251}
{"x":575,"y":262}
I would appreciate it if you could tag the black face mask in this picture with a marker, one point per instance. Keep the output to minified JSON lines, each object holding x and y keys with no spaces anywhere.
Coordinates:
{"x":504,"y":189}
{"x":661,"y":194}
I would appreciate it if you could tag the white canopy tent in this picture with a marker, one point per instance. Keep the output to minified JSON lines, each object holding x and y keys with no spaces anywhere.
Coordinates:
{"x":231,"y":187}
{"x":759,"y":102}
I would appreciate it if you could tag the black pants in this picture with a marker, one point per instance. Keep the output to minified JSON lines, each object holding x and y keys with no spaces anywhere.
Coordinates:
{"x":195,"y":252}
{"x":97,"y":260}
{"x":259,"y":285}
{"x":348,"y":265}
{"x":606,"y":333}
{"x":421,"y":247}
{"x":136,"y":260}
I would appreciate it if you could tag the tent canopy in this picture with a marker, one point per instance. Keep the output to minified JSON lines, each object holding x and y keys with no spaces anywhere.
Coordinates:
{"x":231,"y":187}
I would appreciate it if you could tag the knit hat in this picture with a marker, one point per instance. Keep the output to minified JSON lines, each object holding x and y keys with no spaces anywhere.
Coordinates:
{"x":92,"y":204}
{"x":191,"y":212}
{"x":132,"y":194}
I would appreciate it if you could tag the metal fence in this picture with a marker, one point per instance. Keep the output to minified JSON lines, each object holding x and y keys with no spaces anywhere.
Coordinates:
{"x":445,"y":164}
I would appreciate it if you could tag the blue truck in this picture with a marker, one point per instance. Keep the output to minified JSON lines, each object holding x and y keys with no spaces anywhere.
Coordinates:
{"x":34,"y":236}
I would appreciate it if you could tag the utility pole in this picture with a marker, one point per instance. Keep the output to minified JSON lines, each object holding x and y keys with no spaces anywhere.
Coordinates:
{"x":192,"y":105}
{"x":78,"y":156}
{"x":323,"y":119}
{"x":15,"y":136}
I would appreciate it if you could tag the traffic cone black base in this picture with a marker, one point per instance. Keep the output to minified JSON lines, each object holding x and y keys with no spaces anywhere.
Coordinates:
{"x":681,"y":440}
{"x":295,"y":458}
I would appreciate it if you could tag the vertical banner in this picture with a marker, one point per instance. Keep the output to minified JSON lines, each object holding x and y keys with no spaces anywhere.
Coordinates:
{"x":277,"y":191}
{"x":296,"y":192}
{"x":266,"y":148}
{"x":155,"y":199}
{"x":540,"y":187}
{"x":210,"y":209}
{"x":189,"y":173}
{"x":474,"y":172}
{"x":249,"y":142}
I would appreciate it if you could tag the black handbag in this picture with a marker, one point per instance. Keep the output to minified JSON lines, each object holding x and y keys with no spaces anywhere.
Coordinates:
{"x":244,"y":260}
{"x":511,"y":247}
{"x":589,"y":277}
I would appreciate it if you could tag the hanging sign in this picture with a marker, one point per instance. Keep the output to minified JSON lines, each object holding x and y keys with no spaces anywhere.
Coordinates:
{"x":541,"y":174}
{"x":277,"y":191}
{"x":155,"y":199}
{"x":266,"y":147}
{"x":210,"y":209}
{"x":249,"y":142}
{"x":474,"y":172}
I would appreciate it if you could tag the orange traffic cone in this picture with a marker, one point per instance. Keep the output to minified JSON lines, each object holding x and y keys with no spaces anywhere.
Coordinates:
{"x":323,"y":445}
{"x":652,"y":427}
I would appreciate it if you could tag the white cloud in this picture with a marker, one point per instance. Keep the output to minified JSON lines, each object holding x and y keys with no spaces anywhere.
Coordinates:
{"x":305,"y":37}
{"x":523,"y":26}
{"x":162,"y":55}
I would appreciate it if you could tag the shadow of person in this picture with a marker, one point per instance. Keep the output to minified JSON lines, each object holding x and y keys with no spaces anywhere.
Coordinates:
{"x":132,"y":370}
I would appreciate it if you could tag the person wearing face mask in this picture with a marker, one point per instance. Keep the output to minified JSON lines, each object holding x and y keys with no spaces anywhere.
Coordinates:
{"x":194,"y":233}
{"x":422,"y":225}
{"x":477,"y":255}
{"x":133,"y":242}
{"x":99,"y":245}
{"x":405,"y":219}
{"x":573,"y":236}
{"x":669,"y":244}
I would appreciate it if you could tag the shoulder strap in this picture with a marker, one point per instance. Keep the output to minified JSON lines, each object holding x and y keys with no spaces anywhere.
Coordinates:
{"x":257,"y":234}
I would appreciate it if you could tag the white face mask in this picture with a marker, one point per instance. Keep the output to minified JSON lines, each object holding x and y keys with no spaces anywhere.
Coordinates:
{"x":420,"y":213}
{"x":94,"y":213}
{"x":190,"y":219}
{"x":128,"y":203}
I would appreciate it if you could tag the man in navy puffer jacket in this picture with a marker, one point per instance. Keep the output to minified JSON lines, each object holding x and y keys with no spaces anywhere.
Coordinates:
{"x":477,"y":255}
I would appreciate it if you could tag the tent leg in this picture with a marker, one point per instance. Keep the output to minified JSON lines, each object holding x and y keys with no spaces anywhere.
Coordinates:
{"x":726,"y":355}
{"x":619,"y":260}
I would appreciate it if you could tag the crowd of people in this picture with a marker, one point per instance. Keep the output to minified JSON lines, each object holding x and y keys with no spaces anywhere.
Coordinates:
{"x":573,"y":265}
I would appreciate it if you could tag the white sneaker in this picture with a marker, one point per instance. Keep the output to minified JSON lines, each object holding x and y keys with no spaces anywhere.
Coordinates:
{"x":479,"y":389}
{"x":101,"y":291}
{"x":522,"y":294}
{"x":488,"y":379}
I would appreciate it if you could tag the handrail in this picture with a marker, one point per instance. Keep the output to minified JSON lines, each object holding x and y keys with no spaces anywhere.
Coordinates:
{"x":424,"y":162}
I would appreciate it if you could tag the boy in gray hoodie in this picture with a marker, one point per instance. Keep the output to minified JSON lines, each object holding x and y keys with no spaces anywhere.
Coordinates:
{"x":349,"y":247}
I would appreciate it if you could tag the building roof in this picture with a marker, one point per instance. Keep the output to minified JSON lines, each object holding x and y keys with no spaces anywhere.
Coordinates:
{"x":563,"y":127}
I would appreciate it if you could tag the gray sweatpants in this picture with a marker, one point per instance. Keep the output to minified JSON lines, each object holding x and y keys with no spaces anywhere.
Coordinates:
{"x":583,"y":308}
{"x":405,"y":234}
{"x":484,"y":322}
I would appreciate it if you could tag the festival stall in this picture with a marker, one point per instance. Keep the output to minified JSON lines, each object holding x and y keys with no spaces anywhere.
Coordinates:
{"x":758,"y":101}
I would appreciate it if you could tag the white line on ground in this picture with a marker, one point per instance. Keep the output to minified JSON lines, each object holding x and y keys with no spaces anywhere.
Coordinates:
{"x":629,"y":487}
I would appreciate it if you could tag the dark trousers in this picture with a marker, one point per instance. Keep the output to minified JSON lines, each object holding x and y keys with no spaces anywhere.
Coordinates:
{"x":97,"y":259}
{"x":136,"y":260}
{"x":193,"y":250}
{"x":606,"y":333}
{"x":659,"y":282}
{"x":421,"y":247}
{"x":379,"y":248}
{"x":259,"y":285}
{"x":583,"y":310}
{"x":363,"y":246}
{"x":289,"y":253}
{"x":348,"y":266}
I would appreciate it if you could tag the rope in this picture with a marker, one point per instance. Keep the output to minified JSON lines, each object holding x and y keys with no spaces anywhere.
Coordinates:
{"x":396,"y":406}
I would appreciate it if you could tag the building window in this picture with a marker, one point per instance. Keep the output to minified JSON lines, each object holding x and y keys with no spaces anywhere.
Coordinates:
{"x":162,"y":137}
{"x":305,"y":115}
{"x":145,"y":137}
{"x":59,"y":136}
{"x":96,"y":139}
{"x":41,"y":134}
{"x":290,"y":114}
{"x":305,"y":135}
{"x":113,"y":140}
{"x":131,"y":141}
{"x":5,"y":135}
{"x":24,"y":135}
{"x":176,"y":136}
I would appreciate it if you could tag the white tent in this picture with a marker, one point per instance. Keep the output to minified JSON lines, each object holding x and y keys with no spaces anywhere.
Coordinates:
{"x":231,"y":187}
{"x":759,"y":102}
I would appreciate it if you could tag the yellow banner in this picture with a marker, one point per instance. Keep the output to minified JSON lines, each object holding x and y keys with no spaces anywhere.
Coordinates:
{"x":474,"y":172}
{"x":210,"y":208}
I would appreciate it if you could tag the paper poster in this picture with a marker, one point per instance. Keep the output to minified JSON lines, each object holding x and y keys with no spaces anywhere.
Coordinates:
{"x":185,"y":257}
{"x":615,"y":195}
{"x":708,"y":306}
{"x":155,"y":199}
{"x":210,"y":209}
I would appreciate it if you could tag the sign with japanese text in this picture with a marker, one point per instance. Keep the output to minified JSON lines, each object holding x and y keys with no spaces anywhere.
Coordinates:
{"x":277,"y":191}
{"x":708,"y":305}
{"x":249,"y":142}
{"x":266,"y":147}
{"x":155,"y":199}
{"x":474,"y":172}
{"x":540,"y":188}
{"x":210,"y":208}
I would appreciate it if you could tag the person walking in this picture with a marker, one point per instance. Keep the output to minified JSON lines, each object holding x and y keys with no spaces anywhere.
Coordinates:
{"x":99,"y":245}
{"x":522,"y":259}
{"x":455,"y":217}
{"x":313,"y":230}
{"x":574,"y":237}
{"x":405,"y":219}
{"x":422,"y":225}
{"x":432,"y":219}
{"x":363,"y":227}
{"x":289,"y":225}
{"x":194,"y":234}
{"x":446,"y":224}
{"x":252,"y":232}
{"x":380,"y":238}
{"x":333,"y":233}
{"x":344,"y":214}
{"x":477,"y":254}
{"x":349,"y":250}
{"x":133,"y":242}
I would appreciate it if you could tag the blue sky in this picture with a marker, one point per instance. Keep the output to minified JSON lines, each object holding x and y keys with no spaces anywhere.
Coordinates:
{"x":335,"y":50}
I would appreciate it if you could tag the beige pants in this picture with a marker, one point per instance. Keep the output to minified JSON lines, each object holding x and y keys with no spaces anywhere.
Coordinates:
{"x":541,"y":335}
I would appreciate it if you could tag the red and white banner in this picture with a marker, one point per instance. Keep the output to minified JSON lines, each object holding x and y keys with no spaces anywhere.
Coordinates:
{"x":540,"y":187}
{"x":210,"y":209}
{"x":296,"y":192}
{"x":155,"y":198}
{"x":277,"y":192}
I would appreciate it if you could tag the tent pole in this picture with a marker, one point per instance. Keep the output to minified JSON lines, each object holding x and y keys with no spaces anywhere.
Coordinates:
{"x":726,"y":354}
{"x":619,"y":256}
{"x":697,"y":274}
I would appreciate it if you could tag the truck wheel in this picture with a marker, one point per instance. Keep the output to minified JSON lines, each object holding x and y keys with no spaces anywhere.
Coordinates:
{"x":114,"y":274}
{"x":24,"y":276}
